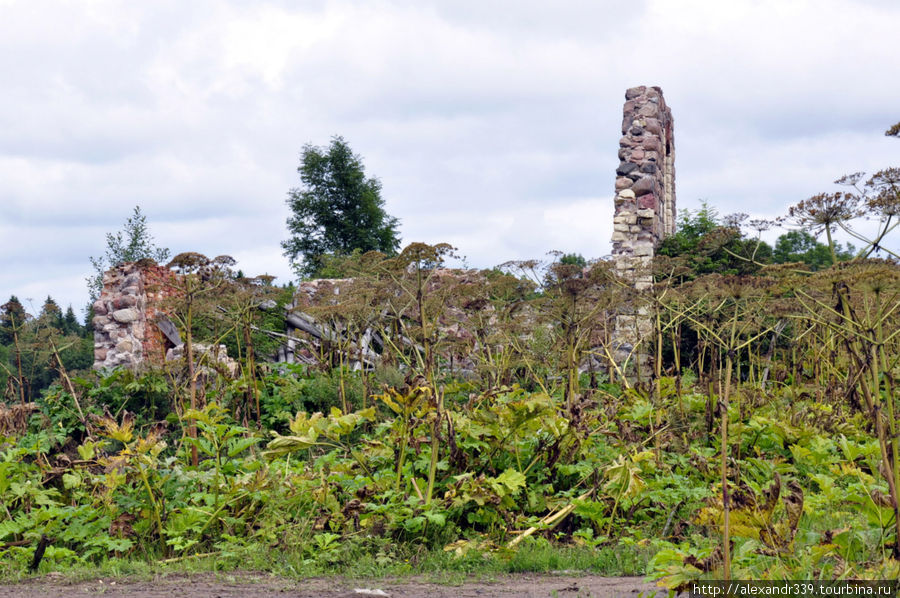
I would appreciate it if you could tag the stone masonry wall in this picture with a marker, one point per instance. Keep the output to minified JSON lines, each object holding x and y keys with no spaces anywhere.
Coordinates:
{"x":644,"y":206}
{"x":125,"y":333}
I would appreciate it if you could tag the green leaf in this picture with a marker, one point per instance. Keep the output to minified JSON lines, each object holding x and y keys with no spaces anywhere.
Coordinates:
{"x":284,"y":445}
{"x":237,"y":446}
{"x":437,"y":518}
{"x":71,"y":480}
{"x":512,"y":480}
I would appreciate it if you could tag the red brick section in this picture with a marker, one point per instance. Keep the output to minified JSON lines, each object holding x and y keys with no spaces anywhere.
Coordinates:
{"x":159,"y":289}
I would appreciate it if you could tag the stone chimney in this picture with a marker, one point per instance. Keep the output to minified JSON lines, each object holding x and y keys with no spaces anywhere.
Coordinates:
{"x":644,"y":208}
{"x":645,"y":181}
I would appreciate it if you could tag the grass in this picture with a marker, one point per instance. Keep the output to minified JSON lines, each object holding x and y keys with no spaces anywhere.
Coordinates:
{"x":436,"y":566}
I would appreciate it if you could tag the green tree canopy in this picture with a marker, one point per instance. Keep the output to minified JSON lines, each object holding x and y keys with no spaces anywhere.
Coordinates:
{"x":705,"y":243}
{"x":337,"y":210}
{"x":800,"y":246}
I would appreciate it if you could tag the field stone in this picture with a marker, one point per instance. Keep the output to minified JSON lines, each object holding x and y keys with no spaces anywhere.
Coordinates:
{"x":124,"y":301}
{"x":125,"y":316}
{"x":650,"y":142}
{"x":626,"y":168}
{"x":100,"y":307}
{"x":643,"y":186}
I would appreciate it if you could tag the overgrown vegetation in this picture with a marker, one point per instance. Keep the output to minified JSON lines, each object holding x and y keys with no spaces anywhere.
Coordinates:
{"x":453,"y":415}
{"x":36,"y":350}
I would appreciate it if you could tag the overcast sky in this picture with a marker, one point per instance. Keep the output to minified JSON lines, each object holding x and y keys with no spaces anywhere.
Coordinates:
{"x":492,"y":125}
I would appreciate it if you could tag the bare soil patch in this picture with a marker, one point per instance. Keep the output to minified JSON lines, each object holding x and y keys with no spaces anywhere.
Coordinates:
{"x":265,"y":586}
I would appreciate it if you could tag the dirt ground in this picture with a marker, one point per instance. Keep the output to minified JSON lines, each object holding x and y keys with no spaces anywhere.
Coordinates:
{"x":260,"y":586}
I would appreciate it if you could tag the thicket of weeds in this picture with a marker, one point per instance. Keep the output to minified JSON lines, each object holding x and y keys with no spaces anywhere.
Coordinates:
{"x":496,"y":433}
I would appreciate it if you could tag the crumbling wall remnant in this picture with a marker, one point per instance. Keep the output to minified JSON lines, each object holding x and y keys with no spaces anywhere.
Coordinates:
{"x":125,"y":315}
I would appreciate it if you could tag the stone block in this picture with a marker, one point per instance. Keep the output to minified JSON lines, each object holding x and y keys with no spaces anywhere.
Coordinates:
{"x":649,"y":109}
{"x":626,"y":168}
{"x":126,"y":316}
{"x":647,"y":202}
{"x":633,"y":92}
{"x":124,"y":301}
{"x":623,"y":182}
{"x":643,"y":186}
{"x":100,"y":308}
{"x":650,"y":142}
{"x":626,"y":194}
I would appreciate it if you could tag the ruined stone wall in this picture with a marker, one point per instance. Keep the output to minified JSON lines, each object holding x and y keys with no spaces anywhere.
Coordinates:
{"x":125,"y":331}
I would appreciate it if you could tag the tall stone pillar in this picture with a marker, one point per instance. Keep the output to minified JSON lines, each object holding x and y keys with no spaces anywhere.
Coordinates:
{"x":644,"y":208}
